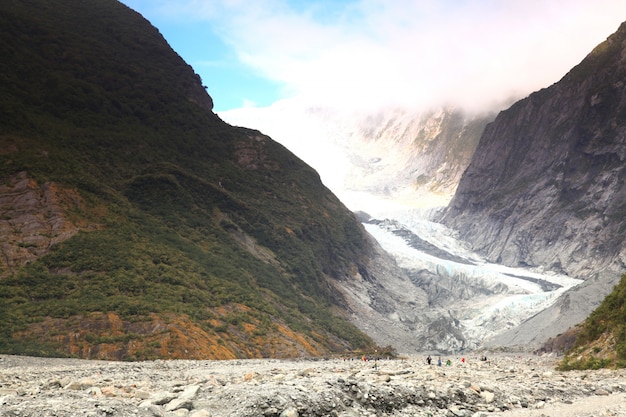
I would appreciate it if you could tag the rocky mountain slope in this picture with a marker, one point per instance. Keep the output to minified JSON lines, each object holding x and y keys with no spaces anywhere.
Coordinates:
{"x":601,"y":339}
{"x":136,"y":224}
{"x":546,"y":187}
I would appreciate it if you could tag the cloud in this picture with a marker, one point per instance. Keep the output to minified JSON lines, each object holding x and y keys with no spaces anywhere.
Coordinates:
{"x":247,"y":103}
{"x":413,"y":52}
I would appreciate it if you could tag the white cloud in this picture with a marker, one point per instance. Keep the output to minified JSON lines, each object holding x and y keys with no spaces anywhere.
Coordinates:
{"x":414,"y":51}
{"x":247,"y":103}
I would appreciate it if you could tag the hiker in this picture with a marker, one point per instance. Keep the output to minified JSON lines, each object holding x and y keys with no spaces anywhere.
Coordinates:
{"x":429,"y":359}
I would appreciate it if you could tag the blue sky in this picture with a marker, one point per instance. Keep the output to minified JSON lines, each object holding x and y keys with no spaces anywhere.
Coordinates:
{"x":473,"y":53}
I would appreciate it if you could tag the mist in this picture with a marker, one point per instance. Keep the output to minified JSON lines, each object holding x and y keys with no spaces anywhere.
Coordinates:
{"x":370,"y":53}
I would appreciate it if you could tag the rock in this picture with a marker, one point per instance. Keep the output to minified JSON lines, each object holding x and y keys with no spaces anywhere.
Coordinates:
{"x":344,"y":389}
{"x":189,"y":392}
{"x":456,"y":412}
{"x":178,"y":403}
{"x":8,"y":391}
{"x":161,"y":398}
{"x":74,"y":385}
{"x":110,"y":391}
{"x":200,"y":413}
{"x":558,"y":219}
{"x":154,"y":410}
{"x":306,"y":372}
{"x":141,"y":394}
{"x":488,"y":396}
{"x":289,"y":412}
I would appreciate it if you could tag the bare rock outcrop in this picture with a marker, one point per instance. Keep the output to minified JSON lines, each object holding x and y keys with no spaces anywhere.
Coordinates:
{"x":34,"y":218}
{"x":546,"y":186}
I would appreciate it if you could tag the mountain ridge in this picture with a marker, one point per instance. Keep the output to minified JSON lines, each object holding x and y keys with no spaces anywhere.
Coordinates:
{"x":546,"y":187}
{"x":136,"y":223}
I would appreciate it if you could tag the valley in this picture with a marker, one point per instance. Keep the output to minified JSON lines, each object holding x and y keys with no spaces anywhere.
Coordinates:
{"x":138,"y":224}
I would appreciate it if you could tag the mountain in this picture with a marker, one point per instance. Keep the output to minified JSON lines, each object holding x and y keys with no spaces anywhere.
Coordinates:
{"x":600,"y":341}
{"x":373,"y":157}
{"x":136,"y":224}
{"x":545,"y":188}
{"x":389,"y":164}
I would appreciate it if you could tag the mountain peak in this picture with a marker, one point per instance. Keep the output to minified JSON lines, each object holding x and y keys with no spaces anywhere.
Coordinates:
{"x":138,"y":224}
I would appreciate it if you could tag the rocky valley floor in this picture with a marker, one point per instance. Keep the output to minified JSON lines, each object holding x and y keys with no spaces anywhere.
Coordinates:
{"x":505,"y":385}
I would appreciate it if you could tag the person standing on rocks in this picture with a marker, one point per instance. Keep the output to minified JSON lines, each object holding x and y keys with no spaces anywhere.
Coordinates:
{"x":429,"y":359}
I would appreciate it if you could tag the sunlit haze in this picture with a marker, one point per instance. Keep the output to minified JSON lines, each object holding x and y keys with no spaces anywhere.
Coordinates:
{"x":372,"y":52}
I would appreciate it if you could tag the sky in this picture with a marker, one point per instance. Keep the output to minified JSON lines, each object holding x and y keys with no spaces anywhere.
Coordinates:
{"x":367,"y":53}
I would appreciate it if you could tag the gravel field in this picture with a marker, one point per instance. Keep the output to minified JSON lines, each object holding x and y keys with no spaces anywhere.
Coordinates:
{"x":505,"y":385}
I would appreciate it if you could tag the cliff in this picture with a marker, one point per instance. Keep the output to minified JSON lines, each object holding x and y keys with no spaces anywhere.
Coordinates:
{"x":545,"y":187}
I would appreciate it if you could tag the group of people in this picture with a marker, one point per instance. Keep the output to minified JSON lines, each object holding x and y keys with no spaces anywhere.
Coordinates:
{"x":429,"y":361}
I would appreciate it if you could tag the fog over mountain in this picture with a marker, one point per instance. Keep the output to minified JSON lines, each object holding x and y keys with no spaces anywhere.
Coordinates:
{"x":375,"y":160}
{"x":399,"y":167}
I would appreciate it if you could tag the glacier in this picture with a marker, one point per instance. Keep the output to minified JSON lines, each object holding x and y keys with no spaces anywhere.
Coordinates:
{"x":470,"y":300}
{"x":508,"y":295}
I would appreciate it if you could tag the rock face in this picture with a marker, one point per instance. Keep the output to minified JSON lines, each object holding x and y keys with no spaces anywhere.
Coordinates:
{"x":34,"y":217}
{"x":427,"y":151}
{"x":546,"y":186}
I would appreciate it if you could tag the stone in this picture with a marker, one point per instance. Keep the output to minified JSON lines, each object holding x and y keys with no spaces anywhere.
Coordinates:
{"x":332,"y":389}
{"x":178,"y":403}
{"x":456,"y":412}
{"x":155,"y":410}
{"x":189,"y":392}
{"x":488,"y":396}
{"x":200,"y":413}
{"x":290,"y":412}
{"x":161,"y":398}
{"x":141,"y":394}
{"x":74,"y":385}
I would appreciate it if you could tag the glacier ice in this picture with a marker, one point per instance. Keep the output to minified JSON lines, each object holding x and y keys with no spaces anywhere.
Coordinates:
{"x":510,"y":296}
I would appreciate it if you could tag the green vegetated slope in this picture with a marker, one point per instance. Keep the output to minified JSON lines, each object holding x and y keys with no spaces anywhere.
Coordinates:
{"x":134,"y":223}
{"x":601,"y":340}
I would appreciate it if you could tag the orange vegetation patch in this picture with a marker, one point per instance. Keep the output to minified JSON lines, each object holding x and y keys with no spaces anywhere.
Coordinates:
{"x":107,"y":336}
{"x":235,"y":332}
